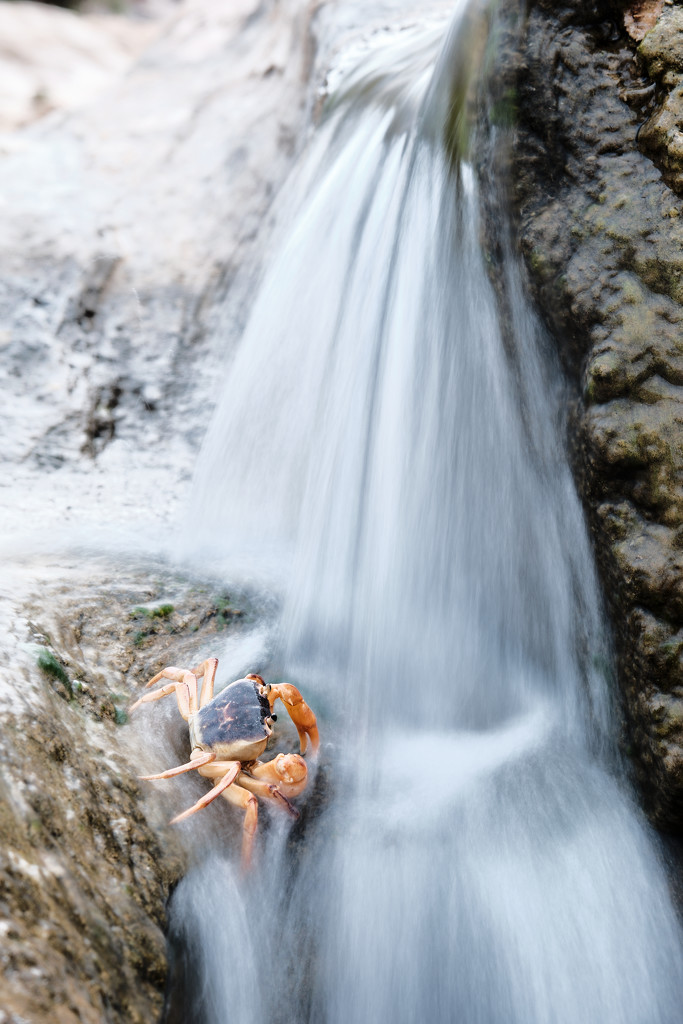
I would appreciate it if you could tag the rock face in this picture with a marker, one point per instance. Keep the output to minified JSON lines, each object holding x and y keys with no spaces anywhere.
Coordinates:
{"x":128,"y":251}
{"x":128,"y":248}
{"x":86,"y":857}
{"x":597,"y":169}
{"x":135,"y":212}
{"x":52,"y":59}
{"x":661,"y":137}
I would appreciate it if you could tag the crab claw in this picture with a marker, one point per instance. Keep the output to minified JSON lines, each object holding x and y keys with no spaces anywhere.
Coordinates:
{"x":286,"y":773}
{"x":291,"y":769}
{"x":299,"y":712}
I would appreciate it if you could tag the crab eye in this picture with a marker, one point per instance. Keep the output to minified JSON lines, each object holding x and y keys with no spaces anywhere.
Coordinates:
{"x":273,"y":718}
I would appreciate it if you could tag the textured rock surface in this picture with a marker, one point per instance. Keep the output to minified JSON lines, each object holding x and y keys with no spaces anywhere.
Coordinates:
{"x":134,"y":224}
{"x":662,"y":134}
{"x":596,"y":171}
{"x":86,"y":859}
{"x":127,"y":250}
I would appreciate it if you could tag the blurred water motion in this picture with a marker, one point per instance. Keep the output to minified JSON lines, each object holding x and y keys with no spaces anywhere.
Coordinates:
{"x":397,"y":445}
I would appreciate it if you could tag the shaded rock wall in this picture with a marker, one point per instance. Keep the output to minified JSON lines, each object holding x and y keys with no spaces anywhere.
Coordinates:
{"x":596,"y":169}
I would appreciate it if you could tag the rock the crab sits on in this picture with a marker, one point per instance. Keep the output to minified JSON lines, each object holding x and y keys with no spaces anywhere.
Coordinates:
{"x":229,"y":732}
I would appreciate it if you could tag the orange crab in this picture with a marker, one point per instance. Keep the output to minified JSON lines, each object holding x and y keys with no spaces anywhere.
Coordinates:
{"x":229,"y":732}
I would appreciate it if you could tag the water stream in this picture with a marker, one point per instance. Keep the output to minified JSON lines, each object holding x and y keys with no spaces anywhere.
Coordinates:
{"x":388,"y":455}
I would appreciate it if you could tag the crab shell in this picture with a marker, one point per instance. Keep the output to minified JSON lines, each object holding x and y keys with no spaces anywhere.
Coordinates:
{"x":235,"y":725}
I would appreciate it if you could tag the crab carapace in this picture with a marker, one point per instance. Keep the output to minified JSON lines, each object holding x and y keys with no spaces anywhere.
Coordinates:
{"x":228,"y":734}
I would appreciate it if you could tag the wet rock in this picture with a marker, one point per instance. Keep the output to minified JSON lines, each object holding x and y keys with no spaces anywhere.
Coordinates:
{"x":661,"y":137}
{"x":641,"y":16}
{"x":86,"y":858}
{"x":596,"y":179}
{"x":662,"y":49}
{"x":128,"y":252}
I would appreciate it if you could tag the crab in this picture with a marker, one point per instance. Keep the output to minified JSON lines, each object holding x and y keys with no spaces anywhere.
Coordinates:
{"x":228,"y":733}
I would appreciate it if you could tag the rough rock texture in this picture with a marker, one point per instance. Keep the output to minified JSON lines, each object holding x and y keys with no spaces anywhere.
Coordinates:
{"x":127,"y":252}
{"x":661,"y":137}
{"x":596,"y":173}
{"x":86,"y":859}
{"x":136,"y":212}
{"x":641,"y":16}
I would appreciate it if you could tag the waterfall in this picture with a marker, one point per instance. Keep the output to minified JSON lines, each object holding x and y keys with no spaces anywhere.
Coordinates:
{"x":388,"y":452}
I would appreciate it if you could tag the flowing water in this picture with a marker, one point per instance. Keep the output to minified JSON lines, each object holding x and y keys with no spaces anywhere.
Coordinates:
{"x":388,"y":452}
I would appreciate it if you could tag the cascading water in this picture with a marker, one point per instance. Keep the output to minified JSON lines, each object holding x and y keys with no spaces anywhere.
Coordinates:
{"x":389,"y":441}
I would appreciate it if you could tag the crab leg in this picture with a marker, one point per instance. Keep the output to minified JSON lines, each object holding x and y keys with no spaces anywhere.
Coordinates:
{"x":170,"y":772}
{"x":181,"y":691}
{"x":268,"y":792}
{"x":220,"y":786}
{"x":218,"y":769}
{"x":238,"y":796}
{"x":179,"y":675}
{"x":208,"y":670}
{"x":299,"y":712}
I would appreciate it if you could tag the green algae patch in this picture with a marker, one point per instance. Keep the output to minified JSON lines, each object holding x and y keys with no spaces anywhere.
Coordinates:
{"x":225,"y":612}
{"x":51,"y":666}
{"x":161,"y":611}
{"x":503,"y":112}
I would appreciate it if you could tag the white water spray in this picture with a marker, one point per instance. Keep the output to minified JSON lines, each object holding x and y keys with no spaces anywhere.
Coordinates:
{"x":391,"y":444}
